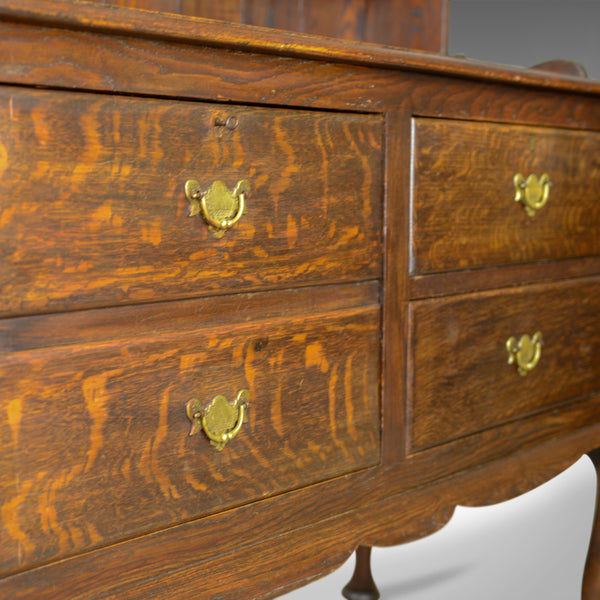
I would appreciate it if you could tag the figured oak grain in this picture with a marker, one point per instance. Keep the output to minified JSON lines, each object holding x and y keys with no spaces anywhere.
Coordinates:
{"x":94,"y":211}
{"x":95,"y":444}
{"x":197,"y":67}
{"x":460,"y":382}
{"x":171,"y":559}
{"x":128,"y":322}
{"x":463,"y":210}
{"x":255,"y":550}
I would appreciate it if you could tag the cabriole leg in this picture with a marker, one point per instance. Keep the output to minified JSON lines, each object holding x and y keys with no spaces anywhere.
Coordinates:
{"x":591,"y":579}
{"x":361,"y":586}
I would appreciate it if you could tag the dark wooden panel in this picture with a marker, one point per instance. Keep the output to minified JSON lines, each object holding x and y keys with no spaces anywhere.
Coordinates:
{"x":95,"y":441}
{"x":460,"y":382}
{"x":415,"y":24}
{"x":279,"y":14}
{"x":94,"y":210}
{"x":463,"y":208}
{"x":224,"y":10}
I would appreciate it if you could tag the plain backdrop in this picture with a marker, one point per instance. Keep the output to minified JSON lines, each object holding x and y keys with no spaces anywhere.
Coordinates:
{"x":527,"y":32}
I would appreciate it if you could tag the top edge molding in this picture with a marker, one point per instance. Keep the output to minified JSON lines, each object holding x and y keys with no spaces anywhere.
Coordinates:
{"x":122,"y":21}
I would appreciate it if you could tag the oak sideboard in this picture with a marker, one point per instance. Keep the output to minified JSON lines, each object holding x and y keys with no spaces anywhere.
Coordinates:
{"x":269,"y":297}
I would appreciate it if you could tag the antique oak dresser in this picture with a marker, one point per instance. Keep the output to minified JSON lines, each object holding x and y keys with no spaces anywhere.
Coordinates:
{"x":268,"y":297}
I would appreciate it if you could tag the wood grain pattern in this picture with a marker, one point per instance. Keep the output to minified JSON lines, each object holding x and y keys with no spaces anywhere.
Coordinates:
{"x":133,"y":24}
{"x":460,"y":381}
{"x":487,"y":278}
{"x":95,"y":212}
{"x":190,"y":69}
{"x":463,"y":208}
{"x":272,"y":516}
{"x":79,"y":420}
{"x":158,"y":555}
{"x":172,"y":559}
{"x":129,"y":322}
{"x":415,"y":24}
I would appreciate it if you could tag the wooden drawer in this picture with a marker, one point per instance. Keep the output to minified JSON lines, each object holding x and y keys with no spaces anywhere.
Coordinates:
{"x":94,"y":210}
{"x":460,"y":381}
{"x":464,"y":212}
{"x":95,"y":438}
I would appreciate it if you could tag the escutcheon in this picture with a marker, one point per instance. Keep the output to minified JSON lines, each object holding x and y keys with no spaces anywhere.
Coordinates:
{"x":524,"y":353}
{"x":220,"y":208}
{"x":219,"y":419}
{"x":532,"y":192}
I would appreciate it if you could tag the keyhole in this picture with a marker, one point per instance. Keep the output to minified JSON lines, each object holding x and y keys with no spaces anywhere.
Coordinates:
{"x":230,"y":122}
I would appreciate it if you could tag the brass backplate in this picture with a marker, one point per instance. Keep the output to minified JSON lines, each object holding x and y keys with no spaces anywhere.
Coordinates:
{"x":219,"y":207}
{"x":532,"y":192}
{"x":220,"y":419}
{"x":525,"y":353}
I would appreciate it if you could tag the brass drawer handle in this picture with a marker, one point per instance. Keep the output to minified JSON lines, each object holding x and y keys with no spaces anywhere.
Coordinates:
{"x":525,"y":353}
{"x":219,"y":419}
{"x":220,"y":208}
{"x":532,"y":192}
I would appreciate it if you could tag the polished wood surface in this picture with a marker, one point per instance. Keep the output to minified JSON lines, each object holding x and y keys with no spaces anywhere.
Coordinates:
{"x":362,"y":586}
{"x":460,"y":379}
{"x":463,"y":203}
{"x":114,"y":171}
{"x":65,"y":329}
{"x":171,"y":559}
{"x":310,"y":302}
{"x":134,"y":65}
{"x":417,"y":24}
{"x":313,"y":415}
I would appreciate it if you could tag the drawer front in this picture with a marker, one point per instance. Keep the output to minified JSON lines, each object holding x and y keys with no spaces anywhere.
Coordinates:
{"x":464,"y":212}
{"x":461,"y":381}
{"x":94,"y":208}
{"x":96,"y":442}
